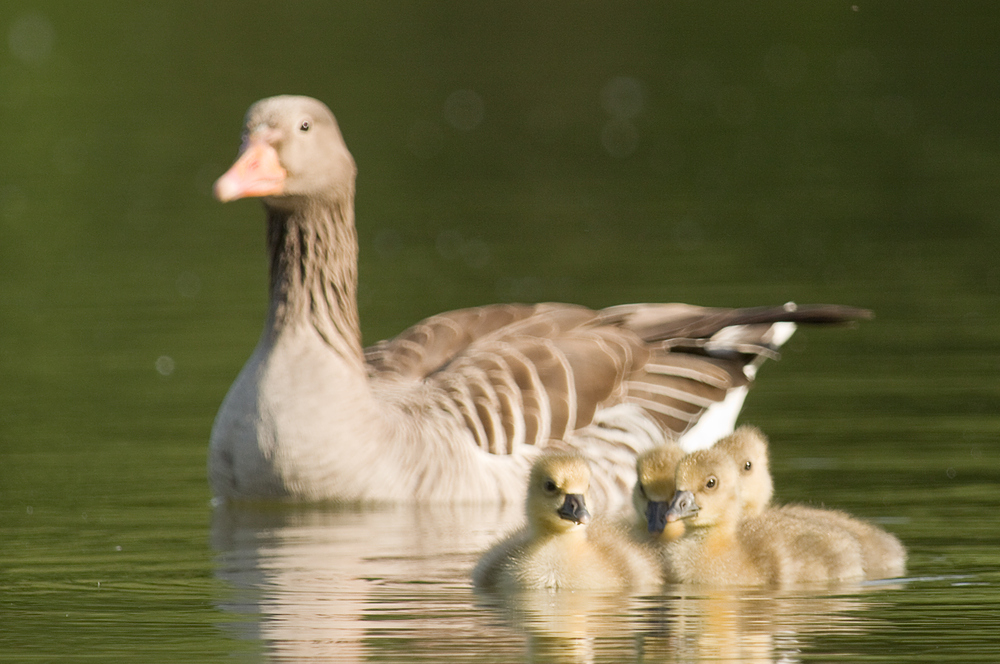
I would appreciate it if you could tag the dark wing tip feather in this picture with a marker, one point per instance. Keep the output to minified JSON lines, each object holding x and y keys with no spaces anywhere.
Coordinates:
{"x":705,"y":323}
{"x":822,"y":314}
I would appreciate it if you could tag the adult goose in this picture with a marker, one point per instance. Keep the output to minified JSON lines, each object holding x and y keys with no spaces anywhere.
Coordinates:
{"x":456,"y":407}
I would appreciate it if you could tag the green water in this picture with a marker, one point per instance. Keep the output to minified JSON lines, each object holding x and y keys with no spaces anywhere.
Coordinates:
{"x":709,"y":152}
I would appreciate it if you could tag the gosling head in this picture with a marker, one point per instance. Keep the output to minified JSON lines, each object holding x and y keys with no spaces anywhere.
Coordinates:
{"x":654,"y":489}
{"x":748,"y":448}
{"x":708,"y":491}
{"x":557,"y":489}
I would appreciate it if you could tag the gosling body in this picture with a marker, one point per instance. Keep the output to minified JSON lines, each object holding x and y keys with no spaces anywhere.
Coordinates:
{"x":883,"y":555}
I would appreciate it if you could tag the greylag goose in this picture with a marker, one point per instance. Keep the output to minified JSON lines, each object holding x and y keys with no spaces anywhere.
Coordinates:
{"x":456,"y":407}
{"x":721,"y":545}
{"x":555,"y":548}
{"x":882,"y":554}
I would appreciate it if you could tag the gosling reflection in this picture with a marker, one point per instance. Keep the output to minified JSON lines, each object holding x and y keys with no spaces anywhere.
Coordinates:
{"x":570,"y":627}
{"x":682,"y":625}
{"x":746,"y":625}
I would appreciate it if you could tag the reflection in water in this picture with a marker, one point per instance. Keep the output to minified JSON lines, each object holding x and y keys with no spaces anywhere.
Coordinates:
{"x":322,"y":582}
{"x":347,"y":584}
{"x":682,"y":624}
{"x":751,"y":626}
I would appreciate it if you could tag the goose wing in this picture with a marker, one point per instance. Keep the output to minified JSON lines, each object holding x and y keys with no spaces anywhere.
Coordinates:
{"x":520,"y":375}
{"x":698,"y":354}
{"x":514,"y":374}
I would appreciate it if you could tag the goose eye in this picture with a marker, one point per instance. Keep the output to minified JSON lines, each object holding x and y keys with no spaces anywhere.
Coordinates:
{"x":305,"y":125}
{"x":642,"y":490}
{"x":747,"y":465}
{"x":550,"y":486}
{"x":711,"y":483}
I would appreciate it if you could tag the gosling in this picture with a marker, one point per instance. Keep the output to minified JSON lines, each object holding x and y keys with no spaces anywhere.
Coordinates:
{"x":723,"y":546}
{"x":653,"y":491}
{"x":748,"y":448}
{"x":555,"y":549}
{"x":882,"y":554}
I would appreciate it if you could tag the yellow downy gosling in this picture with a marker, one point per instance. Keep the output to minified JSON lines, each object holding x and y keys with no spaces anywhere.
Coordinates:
{"x":882,"y":554}
{"x":556,"y":548}
{"x":748,"y":448}
{"x":723,"y":546}
{"x":654,"y":489}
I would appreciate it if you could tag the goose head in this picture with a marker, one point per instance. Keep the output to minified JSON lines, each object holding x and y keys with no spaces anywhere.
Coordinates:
{"x":748,"y":448}
{"x":557,"y":490}
{"x":292,"y":150}
{"x":654,"y":489}
{"x":708,"y":490}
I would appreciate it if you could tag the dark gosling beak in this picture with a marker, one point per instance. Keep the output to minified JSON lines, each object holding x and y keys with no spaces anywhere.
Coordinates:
{"x":656,"y":516}
{"x":682,"y":506}
{"x":573,"y":509}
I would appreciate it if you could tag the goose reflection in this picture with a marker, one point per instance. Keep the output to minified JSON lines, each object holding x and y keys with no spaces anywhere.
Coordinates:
{"x":349,"y":585}
{"x":310,"y":580}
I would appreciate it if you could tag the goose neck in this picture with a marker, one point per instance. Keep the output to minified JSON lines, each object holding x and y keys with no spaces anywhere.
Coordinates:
{"x":313,"y":251}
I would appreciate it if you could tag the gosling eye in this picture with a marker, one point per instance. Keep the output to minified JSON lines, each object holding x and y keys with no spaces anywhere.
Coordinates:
{"x":747,"y":465}
{"x":550,"y":486}
{"x":642,"y":490}
{"x":711,"y":483}
{"x":305,"y":125}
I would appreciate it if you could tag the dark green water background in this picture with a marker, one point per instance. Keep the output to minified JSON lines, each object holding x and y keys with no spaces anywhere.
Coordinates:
{"x":719,"y":153}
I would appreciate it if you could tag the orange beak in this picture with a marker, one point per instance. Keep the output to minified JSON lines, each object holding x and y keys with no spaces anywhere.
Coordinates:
{"x":257,"y":172}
